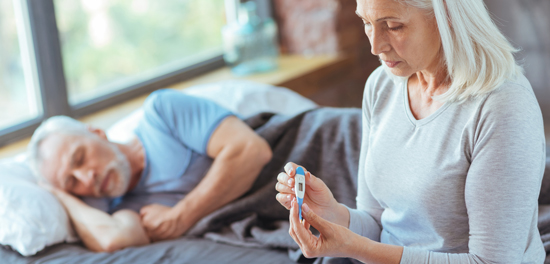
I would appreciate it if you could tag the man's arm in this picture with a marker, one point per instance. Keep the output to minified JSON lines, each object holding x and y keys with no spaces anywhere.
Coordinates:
{"x":100,"y":231}
{"x":239,"y":155}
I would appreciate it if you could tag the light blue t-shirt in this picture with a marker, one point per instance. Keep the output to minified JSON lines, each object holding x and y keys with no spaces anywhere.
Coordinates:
{"x":174,"y":131}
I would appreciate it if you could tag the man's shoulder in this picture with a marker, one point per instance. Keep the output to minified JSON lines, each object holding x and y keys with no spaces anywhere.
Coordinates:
{"x":168,"y":104}
{"x":165,"y":97}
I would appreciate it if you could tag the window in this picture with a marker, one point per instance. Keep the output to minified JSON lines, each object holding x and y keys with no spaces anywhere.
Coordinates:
{"x":75,"y":57}
{"x":19,"y":98}
{"x":109,"y":45}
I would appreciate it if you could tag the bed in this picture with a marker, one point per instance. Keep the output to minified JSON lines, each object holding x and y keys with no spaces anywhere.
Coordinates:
{"x":254,"y":228}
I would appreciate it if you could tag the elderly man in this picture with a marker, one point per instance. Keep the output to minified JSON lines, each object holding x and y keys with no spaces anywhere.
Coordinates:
{"x":184,"y":147}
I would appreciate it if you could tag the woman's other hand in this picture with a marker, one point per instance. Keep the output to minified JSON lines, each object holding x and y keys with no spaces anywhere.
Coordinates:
{"x":334,"y":240}
{"x":317,"y":195}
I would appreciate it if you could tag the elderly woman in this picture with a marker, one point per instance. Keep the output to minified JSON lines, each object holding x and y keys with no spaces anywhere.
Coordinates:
{"x":452,"y":151}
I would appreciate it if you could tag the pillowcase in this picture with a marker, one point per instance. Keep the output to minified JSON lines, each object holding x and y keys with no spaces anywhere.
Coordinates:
{"x":32,"y":218}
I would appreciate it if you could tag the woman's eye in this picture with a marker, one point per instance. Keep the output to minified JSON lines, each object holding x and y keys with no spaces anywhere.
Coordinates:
{"x":394,"y":27}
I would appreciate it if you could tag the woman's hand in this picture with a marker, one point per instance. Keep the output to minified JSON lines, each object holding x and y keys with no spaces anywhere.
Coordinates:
{"x":334,"y":240}
{"x":317,"y":195}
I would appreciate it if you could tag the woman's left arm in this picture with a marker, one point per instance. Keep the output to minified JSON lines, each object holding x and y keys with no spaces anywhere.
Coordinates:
{"x":502,"y":185}
{"x":501,"y":191}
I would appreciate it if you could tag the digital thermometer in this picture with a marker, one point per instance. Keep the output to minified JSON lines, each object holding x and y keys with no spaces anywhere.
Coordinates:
{"x":300,"y":188}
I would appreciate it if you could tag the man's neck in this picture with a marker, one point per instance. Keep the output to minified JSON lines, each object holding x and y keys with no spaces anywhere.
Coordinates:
{"x":135,"y":153}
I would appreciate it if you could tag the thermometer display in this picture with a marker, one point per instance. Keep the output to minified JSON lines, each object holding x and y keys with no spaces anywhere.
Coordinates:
{"x":299,"y":187}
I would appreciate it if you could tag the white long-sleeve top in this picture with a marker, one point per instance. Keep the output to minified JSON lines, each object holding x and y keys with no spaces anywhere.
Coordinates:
{"x":459,"y":186}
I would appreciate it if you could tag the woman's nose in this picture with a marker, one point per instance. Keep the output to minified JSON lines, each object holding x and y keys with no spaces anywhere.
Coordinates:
{"x":378,"y":42}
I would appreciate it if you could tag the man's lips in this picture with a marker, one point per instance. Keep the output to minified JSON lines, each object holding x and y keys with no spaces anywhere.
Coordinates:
{"x":105,"y":182}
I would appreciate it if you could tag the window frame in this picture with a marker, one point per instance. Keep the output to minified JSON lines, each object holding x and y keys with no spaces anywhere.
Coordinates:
{"x":52,"y":82}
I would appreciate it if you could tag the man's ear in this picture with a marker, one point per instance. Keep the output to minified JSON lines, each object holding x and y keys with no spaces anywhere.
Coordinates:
{"x":98,"y":131}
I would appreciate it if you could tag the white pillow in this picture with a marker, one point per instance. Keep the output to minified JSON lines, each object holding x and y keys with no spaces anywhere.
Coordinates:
{"x":242,"y":97}
{"x":32,"y":218}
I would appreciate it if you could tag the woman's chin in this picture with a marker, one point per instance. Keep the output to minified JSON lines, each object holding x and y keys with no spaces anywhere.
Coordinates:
{"x":396,"y":74}
{"x":399,"y":72}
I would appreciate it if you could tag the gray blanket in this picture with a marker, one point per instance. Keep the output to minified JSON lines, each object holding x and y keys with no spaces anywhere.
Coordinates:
{"x":254,"y":228}
{"x":326,"y":141}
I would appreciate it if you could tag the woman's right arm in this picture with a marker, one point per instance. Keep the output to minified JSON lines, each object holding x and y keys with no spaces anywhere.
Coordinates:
{"x":365,"y":220}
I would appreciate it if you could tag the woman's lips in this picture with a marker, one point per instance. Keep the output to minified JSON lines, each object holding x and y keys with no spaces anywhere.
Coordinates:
{"x":392,"y":64}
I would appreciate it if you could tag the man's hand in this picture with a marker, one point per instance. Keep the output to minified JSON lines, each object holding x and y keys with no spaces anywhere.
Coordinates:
{"x":162,"y":222}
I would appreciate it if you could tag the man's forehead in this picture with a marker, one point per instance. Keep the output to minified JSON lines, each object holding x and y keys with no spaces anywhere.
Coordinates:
{"x":55,"y":151}
{"x":56,"y":144}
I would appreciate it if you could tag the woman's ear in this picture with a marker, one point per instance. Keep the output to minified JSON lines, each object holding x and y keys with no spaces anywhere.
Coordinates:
{"x":98,"y":131}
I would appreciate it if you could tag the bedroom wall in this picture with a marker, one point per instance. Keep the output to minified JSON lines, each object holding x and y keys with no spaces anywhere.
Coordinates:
{"x":312,"y":27}
{"x":331,"y":27}
{"x":525,"y":23}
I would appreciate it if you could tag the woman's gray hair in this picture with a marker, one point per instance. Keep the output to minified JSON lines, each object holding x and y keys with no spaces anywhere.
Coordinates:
{"x":53,"y":125}
{"x":478,"y":57}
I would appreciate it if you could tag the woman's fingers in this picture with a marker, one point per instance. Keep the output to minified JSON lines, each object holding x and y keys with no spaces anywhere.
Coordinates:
{"x":283,"y":178}
{"x":314,"y":220}
{"x":302,"y":235}
{"x":285,"y":189}
{"x":293,"y":219}
{"x":301,"y":232}
{"x":287,"y":177}
{"x":285,"y":200}
{"x":285,"y":185}
{"x":290,"y":169}
{"x":306,"y":224}
{"x":314,"y":183}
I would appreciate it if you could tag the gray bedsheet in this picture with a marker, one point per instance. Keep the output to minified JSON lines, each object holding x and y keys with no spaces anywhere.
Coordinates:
{"x":183,"y":250}
{"x":254,"y":228}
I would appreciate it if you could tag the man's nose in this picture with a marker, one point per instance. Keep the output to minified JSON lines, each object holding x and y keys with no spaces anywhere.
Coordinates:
{"x":85,"y":176}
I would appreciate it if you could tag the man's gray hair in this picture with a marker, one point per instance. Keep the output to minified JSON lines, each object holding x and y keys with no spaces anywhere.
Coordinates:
{"x":53,"y":125}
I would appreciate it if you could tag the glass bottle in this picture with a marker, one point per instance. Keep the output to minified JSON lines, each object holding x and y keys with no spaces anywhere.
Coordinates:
{"x":250,"y":43}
